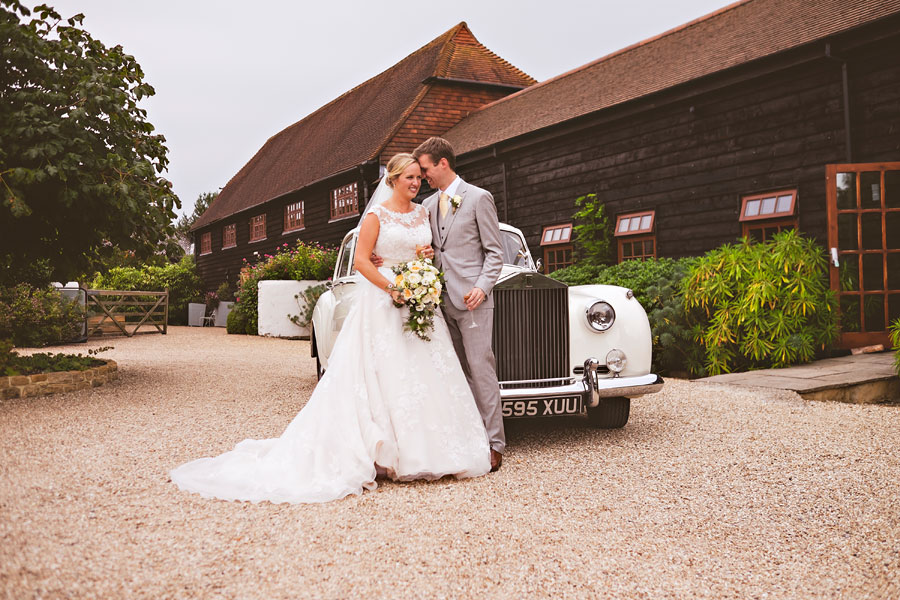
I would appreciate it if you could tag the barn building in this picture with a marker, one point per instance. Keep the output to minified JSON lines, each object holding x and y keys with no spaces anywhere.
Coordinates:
{"x":309,"y":181}
{"x":765,"y":115}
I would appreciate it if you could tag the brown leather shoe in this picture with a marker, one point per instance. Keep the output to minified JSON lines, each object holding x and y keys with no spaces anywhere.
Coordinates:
{"x":496,"y":460}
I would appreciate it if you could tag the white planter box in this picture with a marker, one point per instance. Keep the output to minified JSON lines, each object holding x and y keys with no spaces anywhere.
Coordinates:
{"x":196,"y":312}
{"x":222,"y":313}
{"x":277,"y":303}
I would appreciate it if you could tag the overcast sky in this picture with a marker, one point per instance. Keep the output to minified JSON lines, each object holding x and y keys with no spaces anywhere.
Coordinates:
{"x":228,"y":75}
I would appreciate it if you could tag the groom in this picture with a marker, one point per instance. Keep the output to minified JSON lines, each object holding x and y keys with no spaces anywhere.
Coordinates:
{"x":466,"y":247}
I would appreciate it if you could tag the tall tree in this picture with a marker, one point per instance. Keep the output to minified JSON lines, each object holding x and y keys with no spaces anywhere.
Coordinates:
{"x":79,"y":163}
{"x":185,"y":222}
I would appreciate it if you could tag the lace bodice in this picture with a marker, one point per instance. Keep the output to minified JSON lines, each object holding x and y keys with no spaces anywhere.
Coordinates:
{"x":400,"y":233}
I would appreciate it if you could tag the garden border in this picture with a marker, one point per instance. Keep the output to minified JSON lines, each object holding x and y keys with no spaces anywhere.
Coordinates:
{"x":44,"y":384}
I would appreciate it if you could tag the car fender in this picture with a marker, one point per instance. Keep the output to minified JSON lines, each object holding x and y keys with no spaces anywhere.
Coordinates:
{"x":321,"y":326}
{"x":630,"y":332}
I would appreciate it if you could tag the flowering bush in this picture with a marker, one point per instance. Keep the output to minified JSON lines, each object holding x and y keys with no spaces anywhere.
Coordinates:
{"x":302,"y":262}
{"x":31,"y":316}
{"x":180,"y":278}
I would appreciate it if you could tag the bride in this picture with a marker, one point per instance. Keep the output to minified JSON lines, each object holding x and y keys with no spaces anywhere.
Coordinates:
{"x":389,"y":403}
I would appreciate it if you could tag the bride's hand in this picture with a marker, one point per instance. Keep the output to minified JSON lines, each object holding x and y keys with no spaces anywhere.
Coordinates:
{"x":397,"y":297}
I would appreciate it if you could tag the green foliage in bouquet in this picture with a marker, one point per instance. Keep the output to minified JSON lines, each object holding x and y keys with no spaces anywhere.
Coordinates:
{"x":34,"y":317}
{"x":181,"y":279}
{"x":305,"y":261}
{"x":764,"y":305}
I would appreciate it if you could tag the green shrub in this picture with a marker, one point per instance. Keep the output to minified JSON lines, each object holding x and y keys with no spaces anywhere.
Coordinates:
{"x":306,"y":301}
{"x":225,"y":292}
{"x":593,"y":238}
{"x":303,"y":262}
{"x":180,"y":278}
{"x":895,"y":342}
{"x":236,"y":323}
{"x":656,"y":284}
{"x":32,"y":317}
{"x":764,"y":305}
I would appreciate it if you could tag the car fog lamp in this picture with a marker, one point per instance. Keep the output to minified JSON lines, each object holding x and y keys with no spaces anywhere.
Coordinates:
{"x":615,"y":360}
{"x":600,"y":316}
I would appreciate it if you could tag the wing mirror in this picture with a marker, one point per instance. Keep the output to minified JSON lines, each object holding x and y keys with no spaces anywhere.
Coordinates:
{"x":539,"y":265}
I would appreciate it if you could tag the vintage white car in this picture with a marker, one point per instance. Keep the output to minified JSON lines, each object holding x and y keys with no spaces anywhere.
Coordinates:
{"x":580,"y":350}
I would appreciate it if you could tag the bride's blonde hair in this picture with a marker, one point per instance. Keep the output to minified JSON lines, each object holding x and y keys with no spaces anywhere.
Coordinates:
{"x":397,"y":165}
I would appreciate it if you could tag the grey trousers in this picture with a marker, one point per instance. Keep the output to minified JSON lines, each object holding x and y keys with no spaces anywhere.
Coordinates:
{"x":473,"y":347}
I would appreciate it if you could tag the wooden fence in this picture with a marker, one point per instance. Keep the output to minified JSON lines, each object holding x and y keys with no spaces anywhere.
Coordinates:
{"x":113,"y":312}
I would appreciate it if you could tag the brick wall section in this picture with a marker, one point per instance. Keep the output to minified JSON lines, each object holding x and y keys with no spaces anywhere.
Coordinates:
{"x":44,"y":384}
{"x":443,"y":106}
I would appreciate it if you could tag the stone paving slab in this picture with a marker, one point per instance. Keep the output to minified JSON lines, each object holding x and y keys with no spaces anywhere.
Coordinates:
{"x":870,"y":377}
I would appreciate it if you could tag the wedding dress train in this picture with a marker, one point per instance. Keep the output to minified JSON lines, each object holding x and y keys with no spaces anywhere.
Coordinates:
{"x":389,"y":402}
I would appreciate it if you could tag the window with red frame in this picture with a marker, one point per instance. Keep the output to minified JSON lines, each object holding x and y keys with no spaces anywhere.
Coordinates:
{"x":344,"y":201}
{"x":556,"y":240}
{"x":229,"y":236}
{"x":258,"y":228}
{"x":205,"y":243}
{"x":764,"y":215}
{"x":293,"y":216}
{"x":635,"y":235}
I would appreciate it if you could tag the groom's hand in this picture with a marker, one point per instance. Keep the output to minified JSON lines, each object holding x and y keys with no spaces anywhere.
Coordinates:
{"x":376,"y":260}
{"x":474,"y":298}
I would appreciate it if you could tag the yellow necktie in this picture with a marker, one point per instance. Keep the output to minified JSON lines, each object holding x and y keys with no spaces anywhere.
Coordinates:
{"x":444,"y":204}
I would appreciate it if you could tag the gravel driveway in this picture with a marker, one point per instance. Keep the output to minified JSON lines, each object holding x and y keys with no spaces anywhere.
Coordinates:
{"x":708,"y":492}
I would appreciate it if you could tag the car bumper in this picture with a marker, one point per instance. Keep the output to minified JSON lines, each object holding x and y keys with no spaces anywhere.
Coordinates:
{"x":591,"y":387}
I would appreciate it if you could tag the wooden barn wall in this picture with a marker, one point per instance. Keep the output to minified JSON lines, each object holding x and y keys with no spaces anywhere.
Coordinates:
{"x":220,"y":264}
{"x":691,"y":160}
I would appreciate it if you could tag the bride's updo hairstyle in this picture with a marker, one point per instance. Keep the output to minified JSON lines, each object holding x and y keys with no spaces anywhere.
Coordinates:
{"x":396,"y":166}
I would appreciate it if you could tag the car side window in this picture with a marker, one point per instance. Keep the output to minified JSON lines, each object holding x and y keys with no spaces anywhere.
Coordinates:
{"x":514,"y":251}
{"x":345,"y":264}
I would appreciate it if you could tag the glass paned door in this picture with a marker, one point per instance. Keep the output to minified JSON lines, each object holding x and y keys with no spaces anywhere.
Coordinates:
{"x":864,"y":248}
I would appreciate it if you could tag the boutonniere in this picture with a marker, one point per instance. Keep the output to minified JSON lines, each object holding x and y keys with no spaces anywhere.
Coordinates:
{"x":455,"y":201}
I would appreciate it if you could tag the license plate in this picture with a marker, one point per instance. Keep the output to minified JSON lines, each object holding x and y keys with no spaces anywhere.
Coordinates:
{"x":543,"y":407}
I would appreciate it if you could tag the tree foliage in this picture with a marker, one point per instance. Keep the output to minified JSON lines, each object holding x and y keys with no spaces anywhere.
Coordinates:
{"x":79,"y":163}
{"x":185,"y":222}
{"x":593,"y":240}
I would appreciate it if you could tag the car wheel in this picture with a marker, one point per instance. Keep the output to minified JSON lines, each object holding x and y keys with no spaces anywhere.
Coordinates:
{"x":319,"y":370}
{"x":611,"y":413}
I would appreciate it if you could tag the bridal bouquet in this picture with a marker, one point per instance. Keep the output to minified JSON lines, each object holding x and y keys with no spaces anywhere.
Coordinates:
{"x":419,"y":283}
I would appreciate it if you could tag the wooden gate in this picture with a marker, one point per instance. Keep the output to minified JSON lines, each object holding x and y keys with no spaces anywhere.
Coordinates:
{"x":113,"y":312}
{"x":864,"y":246}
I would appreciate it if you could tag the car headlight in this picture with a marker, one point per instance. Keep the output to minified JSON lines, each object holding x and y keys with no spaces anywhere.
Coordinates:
{"x":600,"y":316}
{"x":615,"y":361}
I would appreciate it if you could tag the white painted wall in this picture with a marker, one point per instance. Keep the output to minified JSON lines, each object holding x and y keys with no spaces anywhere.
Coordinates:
{"x":276,"y":303}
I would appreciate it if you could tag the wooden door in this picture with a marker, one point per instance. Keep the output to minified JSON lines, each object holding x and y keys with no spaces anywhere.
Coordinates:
{"x":864,"y":249}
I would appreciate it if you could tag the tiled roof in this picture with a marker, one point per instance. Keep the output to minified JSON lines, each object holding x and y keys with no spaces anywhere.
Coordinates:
{"x":737,"y":34}
{"x":356,"y":126}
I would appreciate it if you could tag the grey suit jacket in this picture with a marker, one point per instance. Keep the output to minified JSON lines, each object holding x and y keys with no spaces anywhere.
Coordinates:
{"x":466,"y":242}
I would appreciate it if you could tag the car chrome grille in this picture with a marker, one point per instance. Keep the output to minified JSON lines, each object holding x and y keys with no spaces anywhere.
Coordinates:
{"x":531,"y":334}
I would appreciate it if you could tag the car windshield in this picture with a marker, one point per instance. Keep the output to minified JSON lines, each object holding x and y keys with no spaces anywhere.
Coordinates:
{"x":514,"y":251}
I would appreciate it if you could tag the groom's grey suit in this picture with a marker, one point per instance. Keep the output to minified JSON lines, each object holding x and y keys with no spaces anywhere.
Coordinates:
{"x":467,"y":248}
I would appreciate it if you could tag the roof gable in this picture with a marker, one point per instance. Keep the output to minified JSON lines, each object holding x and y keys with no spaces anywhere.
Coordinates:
{"x":356,"y":126}
{"x":734,"y":35}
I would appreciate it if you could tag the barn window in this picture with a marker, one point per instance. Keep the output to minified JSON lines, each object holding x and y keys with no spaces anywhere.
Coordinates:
{"x":344,"y":201}
{"x":764,"y":215}
{"x":635,"y":233}
{"x":258,"y":228}
{"x":556,"y":240}
{"x":229,"y":236}
{"x":293,"y":216}
{"x":205,"y":243}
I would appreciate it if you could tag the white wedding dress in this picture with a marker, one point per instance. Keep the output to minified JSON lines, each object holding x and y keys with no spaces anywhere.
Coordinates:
{"x":389,"y":403}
